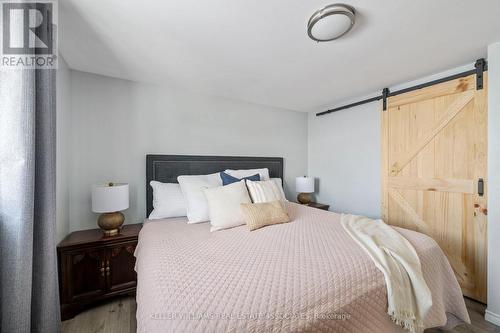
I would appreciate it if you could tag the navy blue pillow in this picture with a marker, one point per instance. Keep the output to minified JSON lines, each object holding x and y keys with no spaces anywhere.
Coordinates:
{"x":228,"y":179}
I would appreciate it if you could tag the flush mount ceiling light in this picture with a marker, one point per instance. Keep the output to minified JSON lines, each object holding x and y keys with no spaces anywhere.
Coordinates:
{"x":331,"y":22}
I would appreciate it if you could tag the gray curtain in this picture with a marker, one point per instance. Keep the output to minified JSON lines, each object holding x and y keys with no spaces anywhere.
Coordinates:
{"x":29,"y":300}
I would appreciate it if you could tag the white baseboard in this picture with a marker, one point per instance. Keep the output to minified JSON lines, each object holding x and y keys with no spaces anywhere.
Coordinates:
{"x":492,"y":317}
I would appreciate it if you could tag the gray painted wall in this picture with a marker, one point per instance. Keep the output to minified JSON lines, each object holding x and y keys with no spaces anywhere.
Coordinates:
{"x":115,"y":123}
{"x":344,"y":156}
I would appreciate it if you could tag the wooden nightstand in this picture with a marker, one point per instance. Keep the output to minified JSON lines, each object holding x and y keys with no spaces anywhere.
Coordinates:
{"x":318,"y":205}
{"x":93,"y":267}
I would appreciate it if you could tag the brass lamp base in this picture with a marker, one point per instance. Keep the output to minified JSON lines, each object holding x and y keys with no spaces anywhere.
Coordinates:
{"x":110,"y":223}
{"x":304,"y":198}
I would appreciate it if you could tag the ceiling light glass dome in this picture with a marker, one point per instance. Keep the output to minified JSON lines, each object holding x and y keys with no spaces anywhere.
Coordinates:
{"x":331,"y":22}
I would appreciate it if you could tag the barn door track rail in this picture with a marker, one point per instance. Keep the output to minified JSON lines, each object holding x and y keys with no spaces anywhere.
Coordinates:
{"x":479,"y":68}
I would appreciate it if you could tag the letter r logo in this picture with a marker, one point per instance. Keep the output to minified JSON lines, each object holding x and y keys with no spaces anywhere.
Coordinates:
{"x":27,"y":28}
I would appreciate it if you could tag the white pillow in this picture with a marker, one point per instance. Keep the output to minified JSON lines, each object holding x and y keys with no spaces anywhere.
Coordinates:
{"x":224,"y":205}
{"x":192,"y":187}
{"x":265,"y":191}
{"x":263,"y":173}
{"x":279,"y":183}
{"x":168,"y":200}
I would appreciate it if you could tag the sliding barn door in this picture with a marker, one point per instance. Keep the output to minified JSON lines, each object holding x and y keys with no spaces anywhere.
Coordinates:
{"x":433,"y":167}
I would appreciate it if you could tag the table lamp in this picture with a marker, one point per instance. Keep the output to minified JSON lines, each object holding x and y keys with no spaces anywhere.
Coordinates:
{"x":304,"y":186}
{"x":109,"y":199}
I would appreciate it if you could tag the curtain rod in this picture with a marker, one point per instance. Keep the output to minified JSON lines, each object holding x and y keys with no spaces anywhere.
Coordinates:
{"x":480,"y":67}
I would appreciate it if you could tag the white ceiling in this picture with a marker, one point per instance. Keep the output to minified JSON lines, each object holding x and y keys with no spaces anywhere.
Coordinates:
{"x":258,"y":51}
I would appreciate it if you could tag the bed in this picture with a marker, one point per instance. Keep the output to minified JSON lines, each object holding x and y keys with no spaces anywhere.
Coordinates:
{"x":304,"y":276}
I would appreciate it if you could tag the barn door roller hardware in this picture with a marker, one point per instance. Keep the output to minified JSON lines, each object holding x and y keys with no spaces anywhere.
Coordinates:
{"x":385,"y":94}
{"x":480,"y":67}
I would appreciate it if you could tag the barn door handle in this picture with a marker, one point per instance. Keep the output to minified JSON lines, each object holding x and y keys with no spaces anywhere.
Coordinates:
{"x":480,"y":187}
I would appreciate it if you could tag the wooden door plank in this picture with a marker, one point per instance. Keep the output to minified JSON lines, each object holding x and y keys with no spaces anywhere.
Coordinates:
{"x":443,"y":89}
{"x":478,"y":230}
{"x":454,"y":109}
{"x":407,"y":208}
{"x":461,"y":272}
{"x":384,"y":165}
{"x":455,"y":158}
{"x":432,"y":184}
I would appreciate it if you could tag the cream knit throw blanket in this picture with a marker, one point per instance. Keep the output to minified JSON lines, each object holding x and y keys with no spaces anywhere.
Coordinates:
{"x":408,"y":296}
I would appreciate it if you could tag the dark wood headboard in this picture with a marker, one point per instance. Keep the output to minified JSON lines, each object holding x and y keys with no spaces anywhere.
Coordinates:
{"x":166,"y":168}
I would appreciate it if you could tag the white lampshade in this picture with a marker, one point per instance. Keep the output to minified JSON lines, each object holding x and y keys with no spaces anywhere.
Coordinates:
{"x":108,"y":199}
{"x":304,"y":184}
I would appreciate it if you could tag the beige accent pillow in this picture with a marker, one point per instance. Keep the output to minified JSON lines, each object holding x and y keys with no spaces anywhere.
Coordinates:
{"x":259,"y":215}
{"x":224,"y":205}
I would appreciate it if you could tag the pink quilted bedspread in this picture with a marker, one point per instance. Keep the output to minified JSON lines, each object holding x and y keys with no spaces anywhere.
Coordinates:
{"x":304,"y":276}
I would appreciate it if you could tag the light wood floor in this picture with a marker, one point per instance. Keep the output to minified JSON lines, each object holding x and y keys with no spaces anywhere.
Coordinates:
{"x":119,"y":316}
